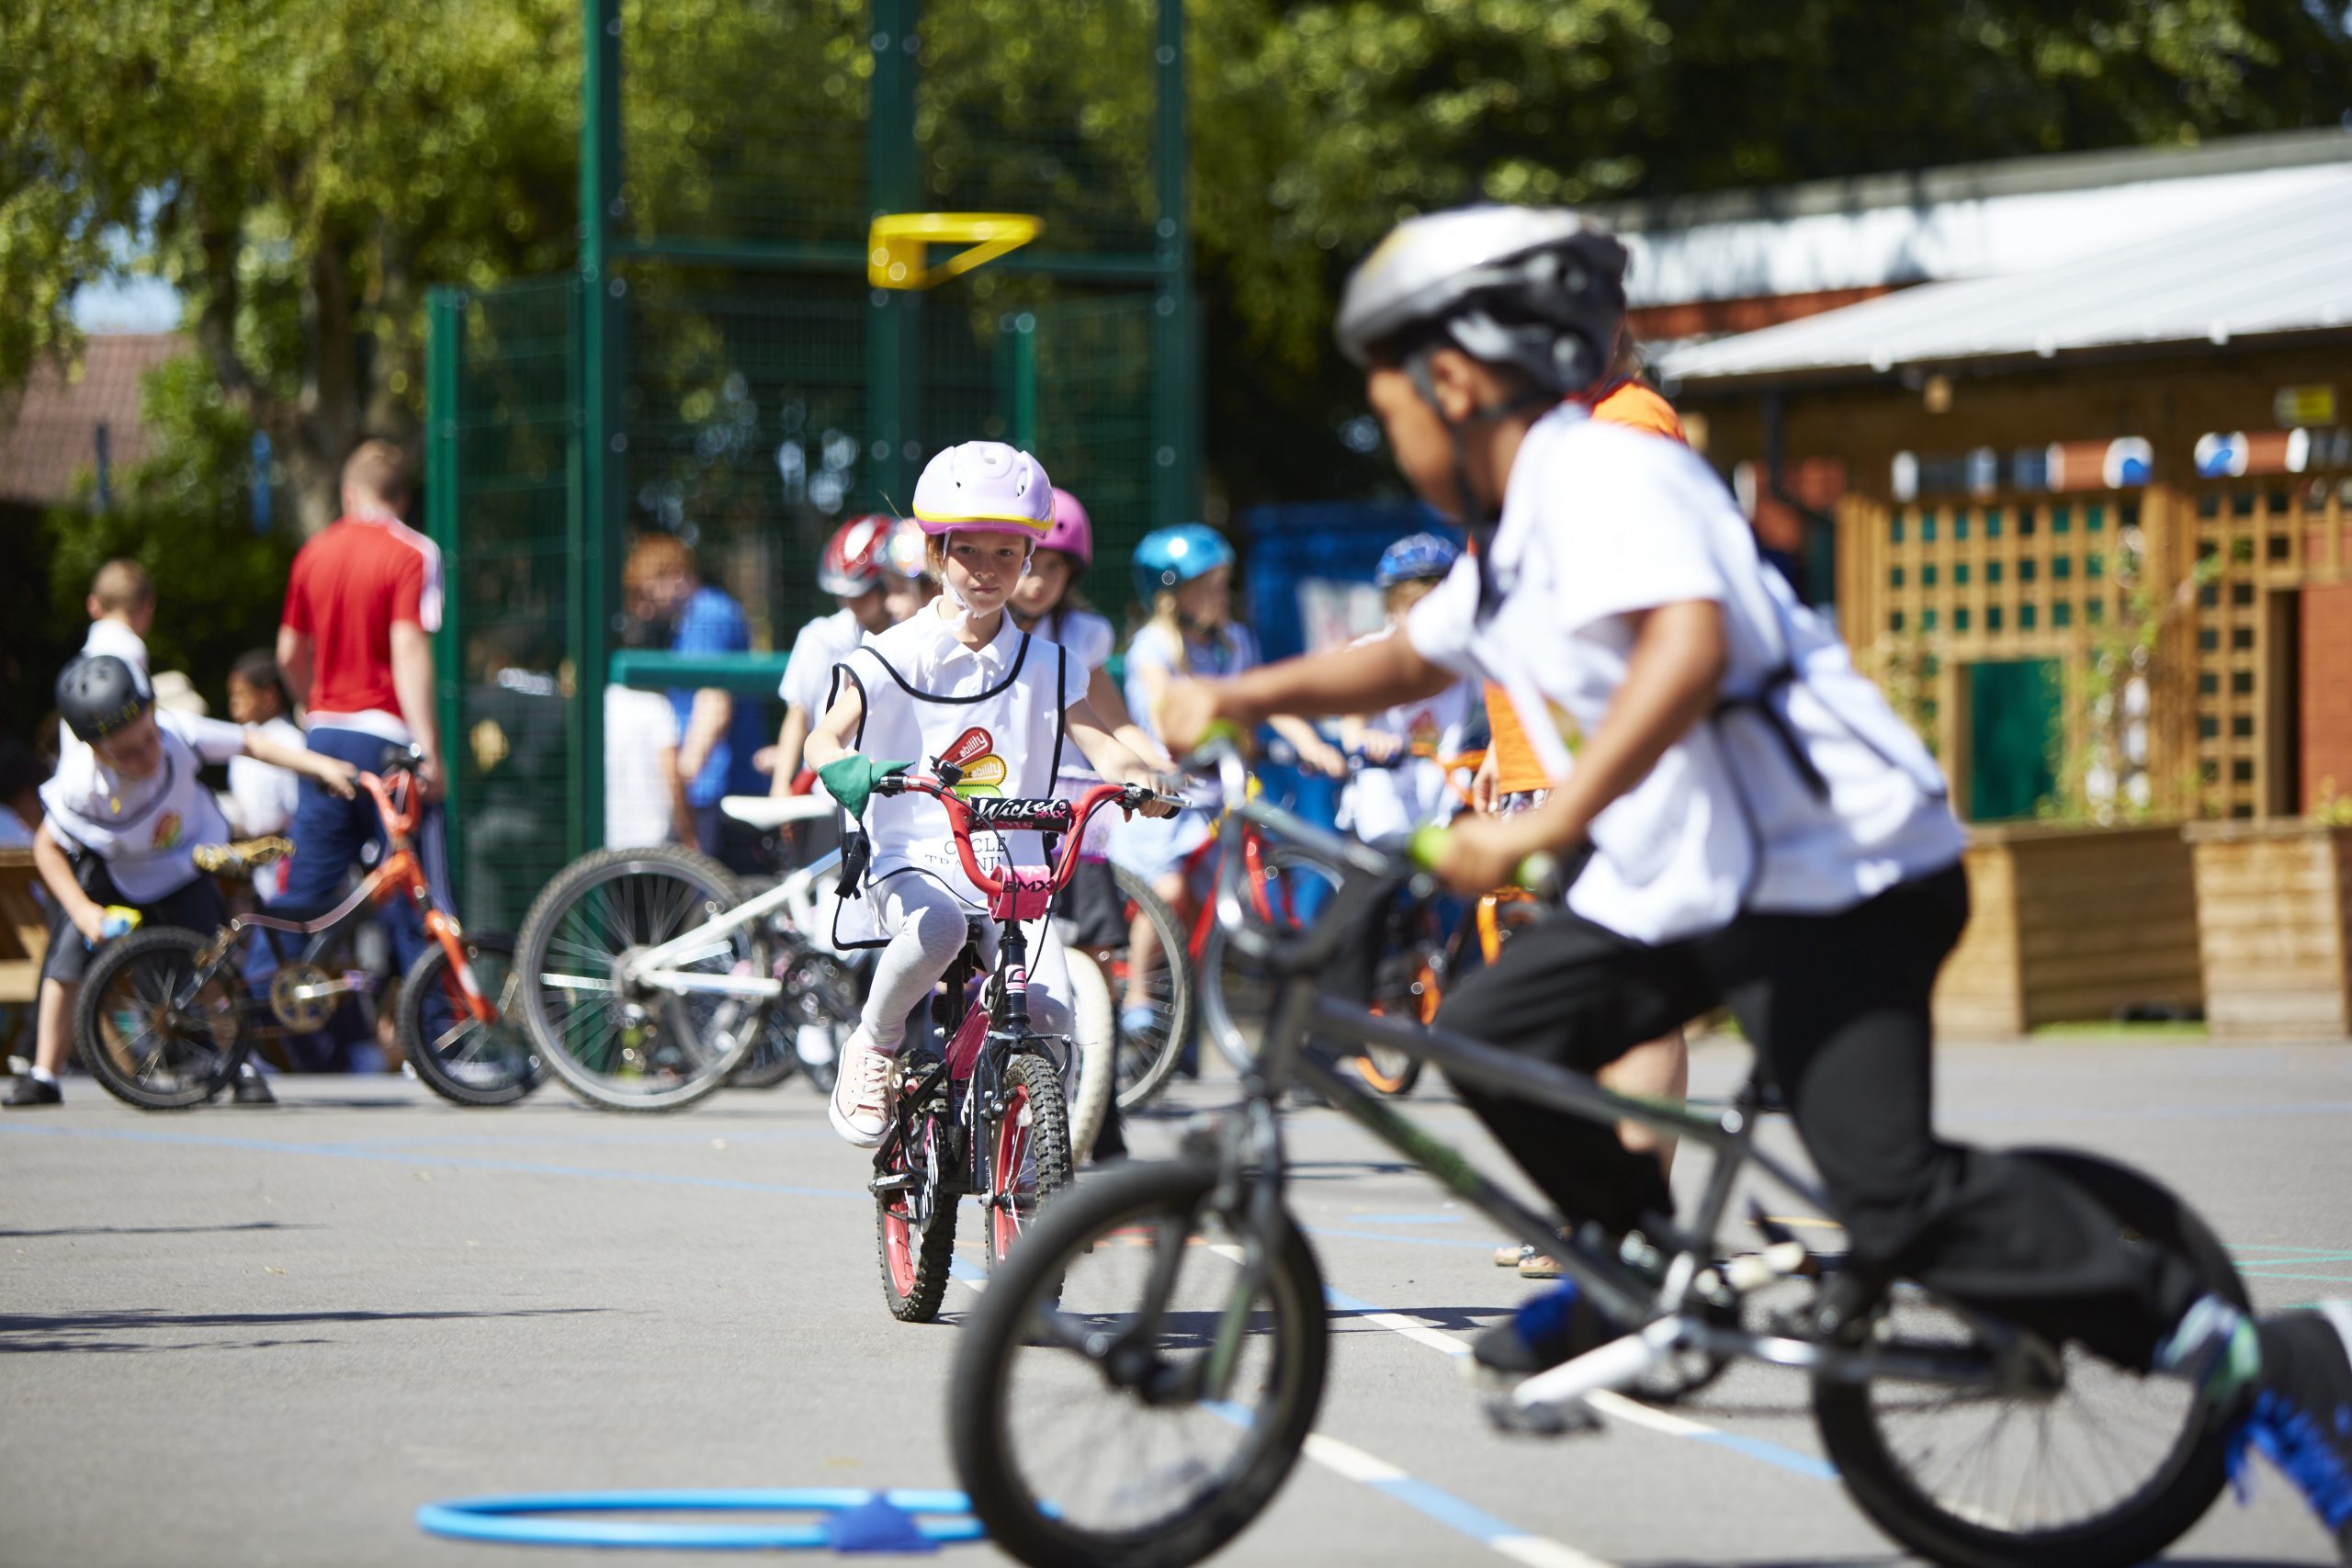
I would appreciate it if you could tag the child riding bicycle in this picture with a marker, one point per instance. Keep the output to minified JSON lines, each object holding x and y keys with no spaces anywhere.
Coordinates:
{"x":125,"y":814}
{"x":1766,"y":833}
{"x":961,"y":685}
{"x":1405,"y":785}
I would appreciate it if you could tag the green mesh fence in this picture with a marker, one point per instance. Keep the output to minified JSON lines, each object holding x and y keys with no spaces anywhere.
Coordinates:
{"x":720,"y":371}
{"x":505,"y":470}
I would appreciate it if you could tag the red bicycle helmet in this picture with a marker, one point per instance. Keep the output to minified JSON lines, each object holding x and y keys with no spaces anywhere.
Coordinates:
{"x":852,"y":563}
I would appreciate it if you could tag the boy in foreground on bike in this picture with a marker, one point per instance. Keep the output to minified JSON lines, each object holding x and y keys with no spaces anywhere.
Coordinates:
{"x":125,"y":814}
{"x":957,"y":683}
{"x":1766,"y":833}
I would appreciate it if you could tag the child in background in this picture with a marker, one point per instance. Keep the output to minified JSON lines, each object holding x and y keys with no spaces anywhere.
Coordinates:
{"x":850,"y":570}
{"x":121,"y":605}
{"x":123,"y":821}
{"x":959,"y":679}
{"x":645,"y":794}
{"x":21,"y":774}
{"x":907,"y":582}
{"x":1383,"y":803}
{"x":1183,"y":576}
{"x":261,"y":798}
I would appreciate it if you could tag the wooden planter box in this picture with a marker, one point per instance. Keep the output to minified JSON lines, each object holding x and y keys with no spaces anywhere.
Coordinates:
{"x":24,"y":929}
{"x":2274,"y":901}
{"x":2069,"y":924}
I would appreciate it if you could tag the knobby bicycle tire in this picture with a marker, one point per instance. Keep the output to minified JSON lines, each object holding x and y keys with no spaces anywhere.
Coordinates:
{"x":155,"y":964}
{"x":513,"y":1072}
{"x":1030,"y":1083}
{"x":2164,"y":1507}
{"x":1032,"y":1528}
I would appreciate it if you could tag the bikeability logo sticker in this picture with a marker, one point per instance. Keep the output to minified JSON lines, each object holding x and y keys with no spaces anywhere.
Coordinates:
{"x":975,"y":754}
{"x":167,"y":831}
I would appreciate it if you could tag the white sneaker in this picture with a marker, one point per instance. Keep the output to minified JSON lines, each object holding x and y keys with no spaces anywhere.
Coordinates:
{"x":860,"y":1104}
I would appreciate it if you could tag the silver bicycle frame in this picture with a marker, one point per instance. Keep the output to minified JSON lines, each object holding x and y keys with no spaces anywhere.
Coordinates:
{"x":654,"y":967}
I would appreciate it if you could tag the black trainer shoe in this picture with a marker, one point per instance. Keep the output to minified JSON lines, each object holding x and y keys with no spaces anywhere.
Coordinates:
{"x":30,"y":1091}
{"x":1551,"y":1328}
{"x":2301,"y":1414}
{"x":252,"y":1089}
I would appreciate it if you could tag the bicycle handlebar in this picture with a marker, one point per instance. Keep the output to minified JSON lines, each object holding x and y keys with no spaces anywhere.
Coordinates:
{"x":1004,"y":814}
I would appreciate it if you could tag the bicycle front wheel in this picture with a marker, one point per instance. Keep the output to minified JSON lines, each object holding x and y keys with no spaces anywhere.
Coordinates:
{"x":156,"y":1027}
{"x":1029,"y":1154}
{"x":630,"y":1046}
{"x":2094,"y":1467}
{"x":460,"y":1058}
{"x":1082,"y":1448}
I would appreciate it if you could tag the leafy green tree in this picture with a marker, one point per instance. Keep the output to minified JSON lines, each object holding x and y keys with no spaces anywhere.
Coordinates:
{"x":301,"y":170}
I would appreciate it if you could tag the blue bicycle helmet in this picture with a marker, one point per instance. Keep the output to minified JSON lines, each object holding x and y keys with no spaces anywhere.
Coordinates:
{"x":1415,"y":556}
{"x":1168,"y":556}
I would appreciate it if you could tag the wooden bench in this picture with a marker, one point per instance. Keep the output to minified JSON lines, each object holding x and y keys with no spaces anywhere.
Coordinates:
{"x":24,"y":927}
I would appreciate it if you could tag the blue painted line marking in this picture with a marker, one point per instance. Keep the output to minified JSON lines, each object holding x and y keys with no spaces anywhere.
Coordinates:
{"x":1772,"y":1453}
{"x":1442,"y":1506}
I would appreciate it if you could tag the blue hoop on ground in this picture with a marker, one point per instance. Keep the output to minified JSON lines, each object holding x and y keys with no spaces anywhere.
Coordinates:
{"x":520,"y":1519}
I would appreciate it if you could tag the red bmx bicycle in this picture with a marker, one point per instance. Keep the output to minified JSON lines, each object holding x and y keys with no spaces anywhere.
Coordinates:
{"x":981,"y":1114}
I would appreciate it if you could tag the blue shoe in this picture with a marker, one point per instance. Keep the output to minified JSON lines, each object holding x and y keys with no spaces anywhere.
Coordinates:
{"x":2300,"y":1415}
{"x":1546,"y":1330}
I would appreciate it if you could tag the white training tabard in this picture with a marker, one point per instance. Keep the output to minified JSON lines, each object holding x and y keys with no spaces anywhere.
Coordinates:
{"x":999,"y":719}
{"x":146,"y":829}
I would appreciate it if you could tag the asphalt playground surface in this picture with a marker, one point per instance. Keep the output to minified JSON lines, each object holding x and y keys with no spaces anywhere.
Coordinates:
{"x":268,"y":1337}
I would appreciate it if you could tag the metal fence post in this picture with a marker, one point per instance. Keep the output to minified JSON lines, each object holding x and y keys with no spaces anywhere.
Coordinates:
{"x":445,"y":315}
{"x":1175,"y":373}
{"x":894,"y":333}
{"x":603,"y":445}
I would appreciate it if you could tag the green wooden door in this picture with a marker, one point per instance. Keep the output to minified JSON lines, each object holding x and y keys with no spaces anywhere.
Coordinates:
{"x":2013,"y":732}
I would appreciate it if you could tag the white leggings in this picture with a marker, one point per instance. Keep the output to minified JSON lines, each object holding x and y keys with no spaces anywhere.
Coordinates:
{"x":926,"y":925}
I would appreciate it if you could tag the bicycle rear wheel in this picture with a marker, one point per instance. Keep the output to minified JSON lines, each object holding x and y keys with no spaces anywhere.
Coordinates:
{"x":914,"y":1225}
{"x":461,"y":1059}
{"x":1095,"y":1037}
{"x":2104,"y":1468}
{"x":157,"y":1028}
{"x":1068,"y":1461}
{"x":1148,"y":1055}
{"x":1295,"y":886}
{"x":633,"y":1047}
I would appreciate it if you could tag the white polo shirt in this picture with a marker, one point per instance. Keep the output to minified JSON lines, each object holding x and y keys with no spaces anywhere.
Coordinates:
{"x":1601,"y":523}
{"x":809,"y":673}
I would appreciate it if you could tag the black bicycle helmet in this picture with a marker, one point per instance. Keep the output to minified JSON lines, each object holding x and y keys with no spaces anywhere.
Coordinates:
{"x":98,"y":695}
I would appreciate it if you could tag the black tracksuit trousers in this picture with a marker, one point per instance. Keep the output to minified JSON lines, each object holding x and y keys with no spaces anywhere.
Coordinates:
{"x":1837,"y":1008}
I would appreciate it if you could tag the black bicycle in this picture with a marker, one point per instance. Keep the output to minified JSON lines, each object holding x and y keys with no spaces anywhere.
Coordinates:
{"x":1144,"y":1370}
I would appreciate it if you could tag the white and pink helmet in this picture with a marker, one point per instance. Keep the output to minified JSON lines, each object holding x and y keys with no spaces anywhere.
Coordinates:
{"x":984,"y":486}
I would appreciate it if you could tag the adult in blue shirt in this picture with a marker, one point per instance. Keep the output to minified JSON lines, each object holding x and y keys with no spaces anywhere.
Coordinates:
{"x":717,"y":735}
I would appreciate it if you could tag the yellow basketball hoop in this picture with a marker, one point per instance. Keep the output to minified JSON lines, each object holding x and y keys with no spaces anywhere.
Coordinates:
{"x":898,"y":246}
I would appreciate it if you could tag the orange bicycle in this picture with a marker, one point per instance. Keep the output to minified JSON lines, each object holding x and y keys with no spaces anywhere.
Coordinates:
{"x":165,"y":1016}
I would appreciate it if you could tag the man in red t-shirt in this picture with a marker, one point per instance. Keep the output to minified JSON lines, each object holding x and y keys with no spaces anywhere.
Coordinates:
{"x":355,"y":647}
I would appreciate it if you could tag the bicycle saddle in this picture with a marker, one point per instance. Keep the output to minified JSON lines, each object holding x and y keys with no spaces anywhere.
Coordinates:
{"x":397,"y":756}
{"x":241,"y":856}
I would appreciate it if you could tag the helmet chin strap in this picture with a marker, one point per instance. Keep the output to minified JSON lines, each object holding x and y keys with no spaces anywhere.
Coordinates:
{"x":1479,"y":518}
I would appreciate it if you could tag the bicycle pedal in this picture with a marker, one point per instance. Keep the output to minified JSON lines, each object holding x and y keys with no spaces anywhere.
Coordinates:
{"x":1540,"y":1420}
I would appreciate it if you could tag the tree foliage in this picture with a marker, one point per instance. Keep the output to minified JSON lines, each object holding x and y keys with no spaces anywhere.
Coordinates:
{"x":303,"y":169}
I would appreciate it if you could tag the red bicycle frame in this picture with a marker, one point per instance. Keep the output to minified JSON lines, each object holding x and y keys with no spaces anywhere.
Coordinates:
{"x":398,"y":807}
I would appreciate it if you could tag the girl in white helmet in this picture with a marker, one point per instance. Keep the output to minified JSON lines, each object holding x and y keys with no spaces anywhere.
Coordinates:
{"x":958,"y":680}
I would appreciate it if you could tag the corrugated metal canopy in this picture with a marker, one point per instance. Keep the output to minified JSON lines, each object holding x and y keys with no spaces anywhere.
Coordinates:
{"x":2285,"y":266}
